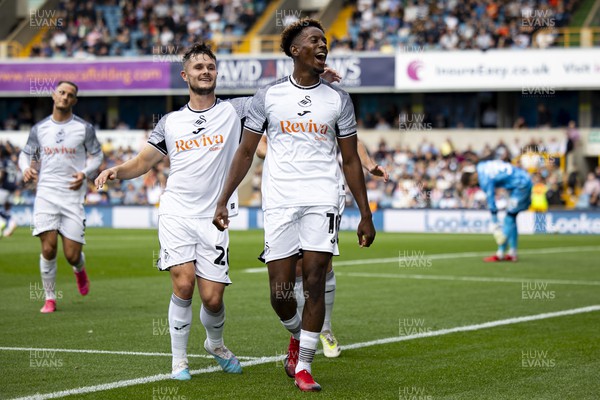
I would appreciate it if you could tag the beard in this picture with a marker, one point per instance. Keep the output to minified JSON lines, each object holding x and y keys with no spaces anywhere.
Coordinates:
{"x":202,"y":91}
{"x":62,"y":108}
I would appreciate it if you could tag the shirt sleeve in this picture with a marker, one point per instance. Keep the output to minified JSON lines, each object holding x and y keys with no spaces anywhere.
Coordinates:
{"x":241,"y":105}
{"x":92,"y":146}
{"x":346,"y":124}
{"x":91,"y":143}
{"x":487,"y":185}
{"x":157,"y":137}
{"x":32,"y":147}
{"x":256,"y":119}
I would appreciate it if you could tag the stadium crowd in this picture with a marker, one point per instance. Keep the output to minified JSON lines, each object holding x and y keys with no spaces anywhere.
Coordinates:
{"x":90,"y":29}
{"x":423,"y":177}
{"x":419,"y":25}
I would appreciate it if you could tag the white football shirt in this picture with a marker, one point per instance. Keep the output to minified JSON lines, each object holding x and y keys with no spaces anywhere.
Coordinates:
{"x":61,"y":148}
{"x":200,"y":146}
{"x":302,"y":125}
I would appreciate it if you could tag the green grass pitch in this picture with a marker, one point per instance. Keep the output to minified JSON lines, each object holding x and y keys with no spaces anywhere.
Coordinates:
{"x":411,"y":285}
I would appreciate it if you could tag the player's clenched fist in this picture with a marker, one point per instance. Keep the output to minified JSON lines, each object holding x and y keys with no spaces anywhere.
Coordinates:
{"x":365,"y":232}
{"x":106,"y":175}
{"x":30,"y":175}
{"x":221,"y":218}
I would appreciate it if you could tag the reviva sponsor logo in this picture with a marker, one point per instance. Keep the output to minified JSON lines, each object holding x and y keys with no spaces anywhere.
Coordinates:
{"x":59,"y":150}
{"x":305,"y":127}
{"x":202,"y":141}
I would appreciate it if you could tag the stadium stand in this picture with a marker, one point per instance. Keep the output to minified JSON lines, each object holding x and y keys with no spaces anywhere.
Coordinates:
{"x":142,"y":27}
{"x":450,"y":25}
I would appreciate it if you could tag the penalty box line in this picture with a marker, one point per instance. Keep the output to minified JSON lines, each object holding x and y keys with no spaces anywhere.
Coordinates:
{"x":266,"y":360}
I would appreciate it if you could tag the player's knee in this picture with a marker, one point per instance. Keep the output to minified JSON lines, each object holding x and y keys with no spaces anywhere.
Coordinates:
{"x":213,"y":304}
{"x":73,"y":257}
{"x":314,"y":285}
{"x":183,"y":289}
{"x":48,"y":251}
{"x":282,"y":293}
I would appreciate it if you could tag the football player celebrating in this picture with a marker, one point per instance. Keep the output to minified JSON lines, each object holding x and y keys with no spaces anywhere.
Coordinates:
{"x":200,"y":140}
{"x":303,"y":117}
{"x":500,"y":174}
{"x":55,"y":155}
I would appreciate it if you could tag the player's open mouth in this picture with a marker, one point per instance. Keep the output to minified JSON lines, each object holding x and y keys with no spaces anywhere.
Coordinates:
{"x":321,"y":57}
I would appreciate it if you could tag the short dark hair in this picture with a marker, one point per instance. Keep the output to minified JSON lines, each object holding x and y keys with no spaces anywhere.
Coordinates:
{"x":293,"y":30}
{"x":465,"y":179}
{"x":198,"y":48}
{"x":69,"y":83}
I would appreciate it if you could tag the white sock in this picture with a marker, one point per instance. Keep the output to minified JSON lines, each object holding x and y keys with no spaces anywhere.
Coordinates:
{"x":213,"y":323}
{"x":299,"y":295}
{"x":512,"y":252}
{"x":500,"y":253}
{"x":180,"y":321}
{"x":48,"y":272}
{"x":294,"y":325}
{"x":80,"y":264}
{"x":329,"y":299}
{"x":308,"y":346}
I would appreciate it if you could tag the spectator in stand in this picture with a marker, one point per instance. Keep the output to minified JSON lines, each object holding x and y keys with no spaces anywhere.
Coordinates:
{"x":539,"y":194}
{"x":590,"y":195}
{"x":573,"y":151}
{"x":554,"y":193}
{"x":520,"y":123}
{"x":489,"y":118}
{"x":544,"y":120}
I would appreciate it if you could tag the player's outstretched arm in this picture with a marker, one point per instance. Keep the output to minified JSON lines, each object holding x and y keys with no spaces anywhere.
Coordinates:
{"x":261,"y":150}
{"x":242,"y":160}
{"x":331,"y":75}
{"x":369,"y":164}
{"x":356,"y":183}
{"x":133,"y":168}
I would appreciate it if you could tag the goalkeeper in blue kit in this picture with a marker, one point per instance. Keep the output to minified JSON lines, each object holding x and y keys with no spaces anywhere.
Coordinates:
{"x":499,"y":174}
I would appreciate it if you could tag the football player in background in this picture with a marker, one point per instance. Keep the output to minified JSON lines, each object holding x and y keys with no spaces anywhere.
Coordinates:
{"x":331,"y":347}
{"x":493,"y":174}
{"x":56,"y":156}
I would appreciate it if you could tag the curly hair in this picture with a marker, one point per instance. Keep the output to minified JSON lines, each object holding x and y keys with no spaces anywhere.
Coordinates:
{"x":293,"y":30}
{"x":198,"y":48}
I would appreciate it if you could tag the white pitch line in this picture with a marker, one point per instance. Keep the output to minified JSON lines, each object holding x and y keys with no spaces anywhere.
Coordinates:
{"x":265,"y":360}
{"x":468,"y":278}
{"x":444,"y":256}
{"x":125,"y":353}
{"x":476,"y":327}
